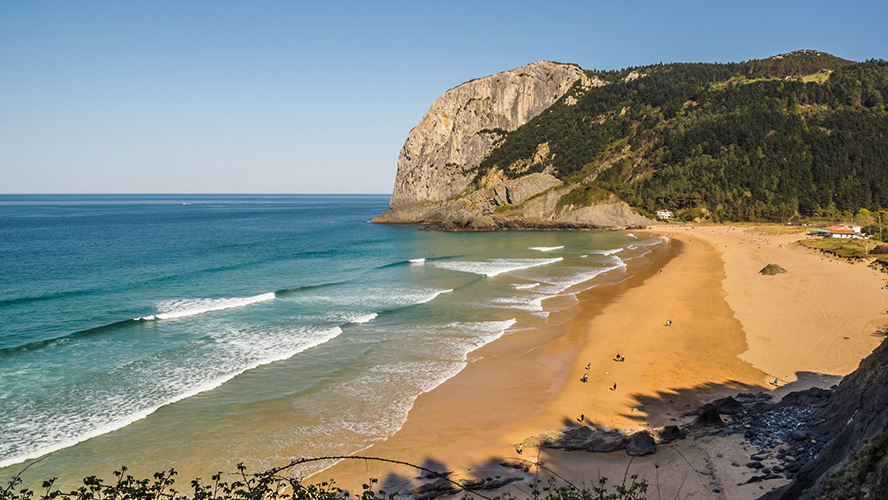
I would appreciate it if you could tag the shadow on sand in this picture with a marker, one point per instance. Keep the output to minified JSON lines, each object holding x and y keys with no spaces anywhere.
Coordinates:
{"x":708,"y":462}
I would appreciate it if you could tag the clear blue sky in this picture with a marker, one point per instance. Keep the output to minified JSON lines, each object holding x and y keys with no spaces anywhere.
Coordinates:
{"x":299,"y":97}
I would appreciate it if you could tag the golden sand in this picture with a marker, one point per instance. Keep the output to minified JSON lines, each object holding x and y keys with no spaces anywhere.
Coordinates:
{"x":732,"y":330}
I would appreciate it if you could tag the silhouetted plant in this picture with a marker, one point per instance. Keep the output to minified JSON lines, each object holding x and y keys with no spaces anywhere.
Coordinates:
{"x":273,"y":485}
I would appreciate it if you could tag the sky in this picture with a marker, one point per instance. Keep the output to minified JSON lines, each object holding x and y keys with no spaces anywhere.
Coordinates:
{"x":318,"y":97}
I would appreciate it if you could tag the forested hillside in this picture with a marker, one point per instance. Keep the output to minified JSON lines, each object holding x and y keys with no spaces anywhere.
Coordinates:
{"x":798,"y":134}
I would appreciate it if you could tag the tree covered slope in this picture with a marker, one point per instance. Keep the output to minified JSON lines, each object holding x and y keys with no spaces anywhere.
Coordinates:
{"x":802,"y":133}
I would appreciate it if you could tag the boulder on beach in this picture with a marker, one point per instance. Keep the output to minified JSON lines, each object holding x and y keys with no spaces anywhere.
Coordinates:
{"x":771,"y":270}
{"x":641,"y":443}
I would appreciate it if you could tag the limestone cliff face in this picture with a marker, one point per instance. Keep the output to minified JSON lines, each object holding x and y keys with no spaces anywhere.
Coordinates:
{"x":436,"y":166}
{"x":456,"y":133}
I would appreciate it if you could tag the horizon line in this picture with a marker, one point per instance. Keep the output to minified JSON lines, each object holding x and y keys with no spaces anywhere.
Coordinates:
{"x":195,"y":194}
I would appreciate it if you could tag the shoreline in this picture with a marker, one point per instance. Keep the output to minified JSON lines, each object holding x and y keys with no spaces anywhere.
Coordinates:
{"x":725,"y":317}
{"x":512,"y":383}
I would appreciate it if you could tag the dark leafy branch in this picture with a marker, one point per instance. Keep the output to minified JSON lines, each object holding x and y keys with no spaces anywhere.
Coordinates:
{"x":274,"y":484}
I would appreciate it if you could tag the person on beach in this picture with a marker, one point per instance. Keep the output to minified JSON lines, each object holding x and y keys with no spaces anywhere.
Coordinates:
{"x":519,"y":448}
{"x":585,"y":378}
{"x":614,"y":388}
{"x":582,"y":417}
{"x":589,"y":366}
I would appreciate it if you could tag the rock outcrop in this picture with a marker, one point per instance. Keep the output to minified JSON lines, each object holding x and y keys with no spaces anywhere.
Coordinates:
{"x":854,"y":463}
{"x":462,"y":126}
{"x":636,"y":442}
{"x":436,"y":168}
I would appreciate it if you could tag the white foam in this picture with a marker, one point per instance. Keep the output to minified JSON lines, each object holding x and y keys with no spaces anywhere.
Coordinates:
{"x":631,"y":235}
{"x":174,"y":309}
{"x":432,"y":296}
{"x":495,"y":267}
{"x":396,"y":385}
{"x":525,"y":286}
{"x":547,"y":249}
{"x":581,"y":276}
{"x":58,"y":432}
{"x":364,"y":318}
{"x":532,"y":303}
{"x":607,"y":252}
{"x":417,"y":261}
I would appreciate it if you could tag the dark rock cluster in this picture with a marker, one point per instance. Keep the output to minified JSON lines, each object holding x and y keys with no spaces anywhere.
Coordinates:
{"x":782,"y":433}
{"x":463,"y":222}
{"x":597,"y":439}
{"x":440,"y":485}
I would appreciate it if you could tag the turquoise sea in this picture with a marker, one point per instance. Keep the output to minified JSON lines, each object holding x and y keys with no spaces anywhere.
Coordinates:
{"x":198,"y":331}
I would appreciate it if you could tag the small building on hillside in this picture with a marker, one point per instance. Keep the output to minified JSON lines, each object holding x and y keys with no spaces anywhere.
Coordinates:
{"x":839,"y":231}
{"x":663,"y":214}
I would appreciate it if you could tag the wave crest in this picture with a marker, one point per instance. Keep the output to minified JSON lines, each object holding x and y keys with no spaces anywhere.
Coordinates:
{"x":495,"y":267}
{"x":175,"y":309}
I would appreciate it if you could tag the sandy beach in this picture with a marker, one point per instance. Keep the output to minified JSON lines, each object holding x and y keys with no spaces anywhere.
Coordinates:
{"x":730,"y":330}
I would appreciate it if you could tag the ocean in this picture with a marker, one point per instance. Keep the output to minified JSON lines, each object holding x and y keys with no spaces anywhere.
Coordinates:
{"x":199,"y":331}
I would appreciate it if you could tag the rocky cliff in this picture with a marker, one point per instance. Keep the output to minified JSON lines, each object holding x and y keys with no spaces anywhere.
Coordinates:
{"x":854,"y":462}
{"x":436,"y":179}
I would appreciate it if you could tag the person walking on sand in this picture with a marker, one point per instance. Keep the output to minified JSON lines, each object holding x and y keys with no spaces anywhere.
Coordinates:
{"x":615,"y":387}
{"x":582,"y":417}
{"x":585,"y":378}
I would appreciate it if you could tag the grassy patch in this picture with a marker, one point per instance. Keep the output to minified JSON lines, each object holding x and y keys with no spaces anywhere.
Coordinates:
{"x":816,"y":78}
{"x":842,"y":248}
{"x":583,"y":195}
{"x":737,"y":80}
{"x":776,"y":230}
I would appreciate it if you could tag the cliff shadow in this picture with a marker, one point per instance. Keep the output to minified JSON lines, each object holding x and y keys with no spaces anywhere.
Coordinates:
{"x":671,"y":406}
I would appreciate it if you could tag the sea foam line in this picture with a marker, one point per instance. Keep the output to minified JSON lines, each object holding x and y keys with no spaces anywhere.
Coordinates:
{"x":495,"y":267}
{"x":364,"y":318}
{"x":191,"y":307}
{"x":525,"y":286}
{"x":141,"y":414}
{"x":547,"y":249}
{"x":432,"y":296}
{"x":426,"y":377}
{"x":608,"y":252}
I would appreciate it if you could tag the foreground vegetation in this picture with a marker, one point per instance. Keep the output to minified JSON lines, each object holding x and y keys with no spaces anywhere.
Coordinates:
{"x":800,"y":134}
{"x":275,"y":484}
